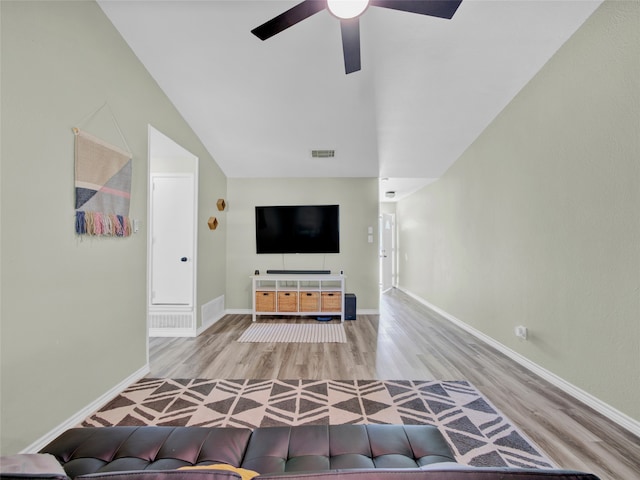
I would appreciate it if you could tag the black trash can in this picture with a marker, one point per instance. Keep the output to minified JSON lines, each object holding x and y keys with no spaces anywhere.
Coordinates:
{"x":349,"y":306}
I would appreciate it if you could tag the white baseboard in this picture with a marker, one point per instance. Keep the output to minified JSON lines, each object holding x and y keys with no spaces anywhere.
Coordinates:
{"x":605,"y":409}
{"x":238,"y":311}
{"x":172,"y":332}
{"x":78,"y":417}
{"x":368,"y":311}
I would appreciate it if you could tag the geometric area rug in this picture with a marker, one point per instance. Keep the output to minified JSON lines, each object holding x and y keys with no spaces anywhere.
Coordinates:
{"x":478,"y":433}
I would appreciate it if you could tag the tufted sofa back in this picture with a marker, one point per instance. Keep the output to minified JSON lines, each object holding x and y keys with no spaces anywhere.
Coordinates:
{"x":320,"y":452}
{"x":85,"y":451}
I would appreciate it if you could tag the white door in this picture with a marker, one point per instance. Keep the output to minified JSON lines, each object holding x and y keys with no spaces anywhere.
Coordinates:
{"x":172,"y":239}
{"x":387,"y":249}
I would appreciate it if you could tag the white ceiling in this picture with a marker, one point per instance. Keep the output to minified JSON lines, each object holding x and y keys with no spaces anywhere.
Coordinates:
{"x":428,"y":86}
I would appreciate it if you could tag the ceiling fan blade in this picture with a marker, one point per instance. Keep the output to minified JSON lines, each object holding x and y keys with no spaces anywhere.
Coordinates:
{"x":351,"y":44}
{"x":434,"y":8}
{"x":289,"y":18}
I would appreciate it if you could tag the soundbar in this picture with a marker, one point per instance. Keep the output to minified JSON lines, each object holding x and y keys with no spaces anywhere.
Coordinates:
{"x":301,"y":272}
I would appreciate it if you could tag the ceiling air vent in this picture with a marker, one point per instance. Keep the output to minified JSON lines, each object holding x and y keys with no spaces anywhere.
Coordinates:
{"x":323,"y":153}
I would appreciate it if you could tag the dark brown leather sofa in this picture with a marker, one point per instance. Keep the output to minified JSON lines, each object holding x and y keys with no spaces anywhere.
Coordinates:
{"x":353,"y":452}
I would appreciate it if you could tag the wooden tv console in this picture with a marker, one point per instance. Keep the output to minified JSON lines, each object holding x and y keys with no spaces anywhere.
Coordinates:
{"x":313,"y":295}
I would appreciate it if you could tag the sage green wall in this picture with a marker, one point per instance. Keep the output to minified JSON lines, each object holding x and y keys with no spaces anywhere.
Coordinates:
{"x":212,"y":244}
{"x":73,"y":322}
{"x":358,"y":200}
{"x":537,"y":224}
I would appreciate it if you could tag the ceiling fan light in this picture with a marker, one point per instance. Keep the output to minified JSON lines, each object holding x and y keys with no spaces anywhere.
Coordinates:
{"x":346,"y":9}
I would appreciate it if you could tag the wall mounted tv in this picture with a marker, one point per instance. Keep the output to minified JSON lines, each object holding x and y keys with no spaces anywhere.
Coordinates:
{"x":298,"y":229}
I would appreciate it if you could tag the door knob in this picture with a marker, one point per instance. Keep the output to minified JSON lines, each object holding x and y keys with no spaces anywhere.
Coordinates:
{"x":184,"y":259}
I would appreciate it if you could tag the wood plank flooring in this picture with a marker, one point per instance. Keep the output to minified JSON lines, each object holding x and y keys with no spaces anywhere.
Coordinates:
{"x":409,"y":341}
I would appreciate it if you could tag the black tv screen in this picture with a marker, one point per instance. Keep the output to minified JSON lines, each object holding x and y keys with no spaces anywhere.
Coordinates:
{"x":298,"y":229}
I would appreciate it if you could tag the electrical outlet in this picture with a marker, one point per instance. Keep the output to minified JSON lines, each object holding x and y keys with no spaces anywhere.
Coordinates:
{"x":521,"y":332}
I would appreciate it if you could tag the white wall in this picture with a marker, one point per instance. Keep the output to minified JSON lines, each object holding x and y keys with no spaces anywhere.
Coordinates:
{"x":537,"y":224}
{"x":358,"y":210}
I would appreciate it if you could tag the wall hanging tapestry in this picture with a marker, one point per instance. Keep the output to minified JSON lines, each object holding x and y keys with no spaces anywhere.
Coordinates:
{"x":103,"y":187}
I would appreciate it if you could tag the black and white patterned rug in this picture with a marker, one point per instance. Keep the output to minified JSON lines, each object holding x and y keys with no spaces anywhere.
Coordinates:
{"x":479,"y":434}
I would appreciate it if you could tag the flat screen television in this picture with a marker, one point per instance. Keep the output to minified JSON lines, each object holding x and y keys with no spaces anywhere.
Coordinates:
{"x":298,"y":229}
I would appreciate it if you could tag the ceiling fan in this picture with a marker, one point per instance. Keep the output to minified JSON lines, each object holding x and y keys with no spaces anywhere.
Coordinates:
{"x":348,"y":12}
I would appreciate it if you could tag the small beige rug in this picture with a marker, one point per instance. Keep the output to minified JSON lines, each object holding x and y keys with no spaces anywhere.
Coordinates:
{"x":294,"y":333}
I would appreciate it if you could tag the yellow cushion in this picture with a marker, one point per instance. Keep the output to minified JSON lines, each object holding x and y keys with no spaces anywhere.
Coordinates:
{"x":243,"y":472}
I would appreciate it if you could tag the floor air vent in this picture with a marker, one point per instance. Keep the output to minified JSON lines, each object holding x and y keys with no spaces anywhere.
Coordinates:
{"x":323,"y":153}
{"x":174,"y":324}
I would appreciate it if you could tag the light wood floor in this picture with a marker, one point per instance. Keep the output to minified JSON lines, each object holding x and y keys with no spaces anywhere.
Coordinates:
{"x":408,"y":341}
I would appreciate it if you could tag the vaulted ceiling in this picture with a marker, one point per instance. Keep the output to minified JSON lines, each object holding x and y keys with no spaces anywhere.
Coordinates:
{"x":427,"y":88}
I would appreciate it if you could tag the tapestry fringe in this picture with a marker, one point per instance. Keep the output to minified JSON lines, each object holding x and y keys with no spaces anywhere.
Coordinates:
{"x":102,"y":224}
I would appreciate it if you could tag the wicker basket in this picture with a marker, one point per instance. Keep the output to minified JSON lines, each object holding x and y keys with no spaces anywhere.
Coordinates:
{"x":287,"y":301}
{"x":309,"y":301}
{"x":265,"y":301}
{"x":331,"y":302}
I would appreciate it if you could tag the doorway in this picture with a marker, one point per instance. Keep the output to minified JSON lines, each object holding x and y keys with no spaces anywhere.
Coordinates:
{"x":387,"y":251}
{"x":171,"y":244}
